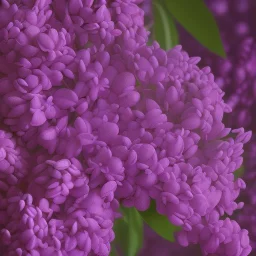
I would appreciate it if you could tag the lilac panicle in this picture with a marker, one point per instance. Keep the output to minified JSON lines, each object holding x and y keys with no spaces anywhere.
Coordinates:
{"x":49,"y":64}
{"x":51,"y":87}
{"x":13,"y":161}
{"x":36,"y":230}
{"x":106,"y":119}
{"x":236,"y":75}
{"x":188,"y":165}
{"x":246,"y":216}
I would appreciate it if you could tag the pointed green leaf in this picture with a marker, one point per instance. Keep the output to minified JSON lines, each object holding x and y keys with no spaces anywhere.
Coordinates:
{"x":121,"y":229}
{"x":159,"y":223}
{"x":196,"y":18}
{"x":135,"y":231}
{"x":129,"y":232}
{"x":164,"y":29}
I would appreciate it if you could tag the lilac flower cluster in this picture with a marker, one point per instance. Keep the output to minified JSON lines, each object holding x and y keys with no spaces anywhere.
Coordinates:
{"x":246,"y":216}
{"x":52,"y":97}
{"x":236,"y":74}
{"x":105,"y":119}
{"x":193,"y":180}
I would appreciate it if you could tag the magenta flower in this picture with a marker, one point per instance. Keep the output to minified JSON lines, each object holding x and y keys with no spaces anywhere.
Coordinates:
{"x":106,"y":119}
{"x":246,"y":216}
{"x":13,"y":161}
{"x":84,"y":228}
{"x":187,"y":163}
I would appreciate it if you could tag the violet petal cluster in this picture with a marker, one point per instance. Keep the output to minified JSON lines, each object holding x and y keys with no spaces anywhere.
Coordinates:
{"x":246,"y":216}
{"x":105,"y":119}
{"x":188,"y":165}
{"x":54,"y":72}
{"x":236,"y":76}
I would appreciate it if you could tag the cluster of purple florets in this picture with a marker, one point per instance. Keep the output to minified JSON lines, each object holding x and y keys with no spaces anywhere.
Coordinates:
{"x":237,"y":77}
{"x":246,"y":216}
{"x":99,"y":118}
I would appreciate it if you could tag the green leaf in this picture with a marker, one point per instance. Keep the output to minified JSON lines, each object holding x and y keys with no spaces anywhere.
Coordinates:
{"x":239,"y":172}
{"x":159,"y":223}
{"x":164,"y":29}
{"x":120,"y":229}
{"x":113,"y":251}
{"x":135,"y":231}
{"x":196,"y":18}
{"x":129,"y":232}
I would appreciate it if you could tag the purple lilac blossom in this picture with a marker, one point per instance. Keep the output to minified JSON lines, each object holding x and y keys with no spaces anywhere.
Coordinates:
{"x":106,"y":119}
{"x":188,"y":166}
{"x":65,"y":205}
{"x":236,"y":76}
{"x":246,"y":216}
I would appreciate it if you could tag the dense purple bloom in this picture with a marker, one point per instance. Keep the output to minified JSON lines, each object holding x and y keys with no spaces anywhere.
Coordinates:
{"x":246,"y":216}
{"x":35,"y":229}
{"x":188,"y":166}
{"x":50,"y":97}
{"x":47,"y":73}
{"x":13,"y":161}
{"x":236,"y":75}
{"x":108,"y":120}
